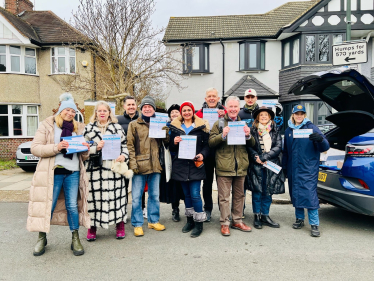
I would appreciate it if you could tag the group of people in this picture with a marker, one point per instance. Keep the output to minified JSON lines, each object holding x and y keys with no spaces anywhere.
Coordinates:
{"x":83,"y":189}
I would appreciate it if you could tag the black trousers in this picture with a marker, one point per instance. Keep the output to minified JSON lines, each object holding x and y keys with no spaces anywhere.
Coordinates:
{"x":209,"y":164}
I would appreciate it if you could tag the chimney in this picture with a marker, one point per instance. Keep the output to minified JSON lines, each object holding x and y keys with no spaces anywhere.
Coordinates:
{"x":18,"y":6}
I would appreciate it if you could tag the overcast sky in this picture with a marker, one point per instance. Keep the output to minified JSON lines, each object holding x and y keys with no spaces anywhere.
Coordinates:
{"x":175,"y":8}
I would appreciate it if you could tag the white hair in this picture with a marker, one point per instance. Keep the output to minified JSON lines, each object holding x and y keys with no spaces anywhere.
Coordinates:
{"x":211,"y":90}
{"x":232,"y":98}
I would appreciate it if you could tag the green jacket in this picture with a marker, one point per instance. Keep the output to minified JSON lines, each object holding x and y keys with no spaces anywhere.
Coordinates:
{"x":231,"y":160}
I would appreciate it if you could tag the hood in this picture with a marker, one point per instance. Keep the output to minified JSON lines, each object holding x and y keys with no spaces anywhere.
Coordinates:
{"x":348,"y":92}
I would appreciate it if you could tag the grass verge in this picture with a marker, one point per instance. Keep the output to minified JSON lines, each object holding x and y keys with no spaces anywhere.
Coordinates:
{"x":7,"y":164}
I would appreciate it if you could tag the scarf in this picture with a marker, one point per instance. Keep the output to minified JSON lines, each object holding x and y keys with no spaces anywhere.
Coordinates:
{"x":219,"y":105}
{"x":67,"y":131}
{"x":102,"y":127}
{"x":248,"y":108}
{"x":293,"y":126}
{"x":146,"y":118}
{"x":264,"y":132}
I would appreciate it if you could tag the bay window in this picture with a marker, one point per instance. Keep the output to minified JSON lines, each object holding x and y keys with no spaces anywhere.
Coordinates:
{"x":17,"y":59}
{"x":291,"y":51}
{"x":63,"y":60}
{"x":18,"y":120}
{"x":317,"y":47}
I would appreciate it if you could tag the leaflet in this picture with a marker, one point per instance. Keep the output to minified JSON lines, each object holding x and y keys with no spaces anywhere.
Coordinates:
{"x":272,"y":167}
{"x":187,"y":147}
{"x":155,"y":128}
{"x":302,"y":133}
{"x":112,"y":147}
{"x":236,"y":135}
{"x":162,"y":116}
{"x":211,"y":115}
{"x":75,"y":144}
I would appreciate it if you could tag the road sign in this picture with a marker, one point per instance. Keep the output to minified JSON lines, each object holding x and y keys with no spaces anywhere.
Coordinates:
{"x":349,"y":53}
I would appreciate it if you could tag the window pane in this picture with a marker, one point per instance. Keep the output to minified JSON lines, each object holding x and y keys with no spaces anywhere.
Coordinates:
{"x":296,"y":55}
{"x":4,"y":128}
{"x":16,"y":109}
{"x":286,"y":54}
{"x":337,"y":39}
{"x":310,"y":48}
{"x":32,"y":110}
{"x":262,"y":55}
{"x":72,"y":65}
{"x":252,"y":56}
{"x":15,"y":50}
{"x":72,"y":52}
{"x":2,"y":63}
{"x":32,"y":125}
{"x":30,"y":52}
{"x":323,"y":47}
{"x":185,"y":51}
{"x":17,"y":126}
{"x":2,"y":49}
{"x":61,"y":50}
{"x":206,"y":58}
{"x":61,"y":65}
{"x":195,"y":58}
{"x":309,"y":107}
{"x":30,"y":65}
{"x":242,"y":56}
{"x":3,"y":109}
{"x":15,"y":64}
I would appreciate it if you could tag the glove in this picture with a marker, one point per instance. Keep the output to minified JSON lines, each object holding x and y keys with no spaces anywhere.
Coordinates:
{"x":136,"y":171}
{"x":316,"y":137}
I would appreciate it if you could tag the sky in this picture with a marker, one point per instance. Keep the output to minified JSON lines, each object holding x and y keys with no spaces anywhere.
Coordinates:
{"x":174,"y":8}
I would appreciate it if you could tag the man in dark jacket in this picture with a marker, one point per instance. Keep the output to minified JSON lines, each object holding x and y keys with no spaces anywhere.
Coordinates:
{"x":130,"y":114}
{"x":211,"y":101}
{"x":245,"y":114}
{"x":231,"y":168}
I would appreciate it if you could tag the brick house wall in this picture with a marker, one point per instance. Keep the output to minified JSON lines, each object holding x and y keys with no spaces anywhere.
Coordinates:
{"x":8,"y":147}
{"x":18,"y":6}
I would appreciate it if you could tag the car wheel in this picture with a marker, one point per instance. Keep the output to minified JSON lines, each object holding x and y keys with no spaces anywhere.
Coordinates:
{"x":28,"y":169}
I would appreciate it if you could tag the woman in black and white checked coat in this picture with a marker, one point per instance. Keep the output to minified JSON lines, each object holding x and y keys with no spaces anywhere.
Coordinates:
{"x":107,"y":200}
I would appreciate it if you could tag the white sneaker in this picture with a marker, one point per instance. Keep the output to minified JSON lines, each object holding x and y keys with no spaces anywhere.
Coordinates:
{"x":145,"y":213}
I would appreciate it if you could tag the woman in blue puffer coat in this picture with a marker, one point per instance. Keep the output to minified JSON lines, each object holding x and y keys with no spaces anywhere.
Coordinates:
{"x":301,"y":166}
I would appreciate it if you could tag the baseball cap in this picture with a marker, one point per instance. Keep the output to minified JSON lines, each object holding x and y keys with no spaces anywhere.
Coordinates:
{"x":298,"y":108}
{"x":250,"y":92}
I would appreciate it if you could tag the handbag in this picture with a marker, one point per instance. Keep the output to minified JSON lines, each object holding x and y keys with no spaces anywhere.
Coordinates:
{"x":168,"y":163}
{"x":97,"y":159}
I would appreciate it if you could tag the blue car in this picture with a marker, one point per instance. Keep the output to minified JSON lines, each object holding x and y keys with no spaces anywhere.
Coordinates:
{"x":352,"y":95}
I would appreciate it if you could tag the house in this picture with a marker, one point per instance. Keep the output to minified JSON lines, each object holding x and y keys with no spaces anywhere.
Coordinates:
{"x":39,"y":61}
{"x":274,"y":50}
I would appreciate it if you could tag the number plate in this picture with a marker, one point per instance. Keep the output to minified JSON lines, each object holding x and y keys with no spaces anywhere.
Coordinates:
{"x":31,"y":158}
{"x":322,"y":177}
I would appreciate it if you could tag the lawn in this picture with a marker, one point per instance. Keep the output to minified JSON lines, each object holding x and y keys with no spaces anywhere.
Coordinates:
{"x":7,"y":164}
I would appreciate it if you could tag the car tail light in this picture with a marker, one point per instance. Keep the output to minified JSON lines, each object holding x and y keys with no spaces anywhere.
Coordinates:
{"x":363,"y":184}
{"x":357,"y":151}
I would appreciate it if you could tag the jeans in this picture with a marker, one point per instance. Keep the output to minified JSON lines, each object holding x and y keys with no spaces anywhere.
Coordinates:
{"x":153,"y":204}
{"x":192,"y":198}
{"x":70,"y":183}
{"x":312,"y":215}
{"x":261,"y":201}
{"x":209,"y":164}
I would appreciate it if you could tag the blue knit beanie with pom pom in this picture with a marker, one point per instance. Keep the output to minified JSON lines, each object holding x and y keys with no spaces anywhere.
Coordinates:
{"x":67,"y":101}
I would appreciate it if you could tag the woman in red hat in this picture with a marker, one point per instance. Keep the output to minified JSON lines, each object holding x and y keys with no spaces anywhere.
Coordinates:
{"x":190,"y":172}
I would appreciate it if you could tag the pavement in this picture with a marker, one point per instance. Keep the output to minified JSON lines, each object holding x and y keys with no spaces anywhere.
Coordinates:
{"x":15,"y":185}
{"x":345,"y":250}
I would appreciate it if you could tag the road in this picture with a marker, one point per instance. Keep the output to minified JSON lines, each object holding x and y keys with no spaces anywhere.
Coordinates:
{"x":345,"y":251}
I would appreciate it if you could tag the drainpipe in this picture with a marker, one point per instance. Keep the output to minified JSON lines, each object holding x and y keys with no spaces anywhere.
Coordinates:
{"x":349,"y":22}
{"x":223,"y":70}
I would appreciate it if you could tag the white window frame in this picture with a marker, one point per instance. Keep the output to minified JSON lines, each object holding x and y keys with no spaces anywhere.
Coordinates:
{"x":22,"y":56}
{"x":67,"y":59}
{"x":28,"y":56}
{"x":23,"y":116}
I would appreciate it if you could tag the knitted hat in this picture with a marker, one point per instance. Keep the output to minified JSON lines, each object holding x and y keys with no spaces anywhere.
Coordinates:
{"x":173,"y":107}
{"x":188,"y":103}
{"x":148,"y":100}
{"x":67,"y":101}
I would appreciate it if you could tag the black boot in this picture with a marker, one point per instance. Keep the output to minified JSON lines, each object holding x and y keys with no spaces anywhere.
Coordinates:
{"x":197,"y":229}
{"x":299,"y":223}
{"x":189,"y":225}
{"x":257,"y":221}
{"x":266,"y":220}
{"x":314,"y":231}
{"x":175,"y":215}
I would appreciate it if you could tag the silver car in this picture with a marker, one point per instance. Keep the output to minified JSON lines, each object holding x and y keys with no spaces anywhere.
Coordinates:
{"x":25,"y":160}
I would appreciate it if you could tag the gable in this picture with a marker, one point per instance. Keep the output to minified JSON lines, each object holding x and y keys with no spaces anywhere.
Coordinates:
{"x":331,"y":15}
{"x":9,"y":34}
